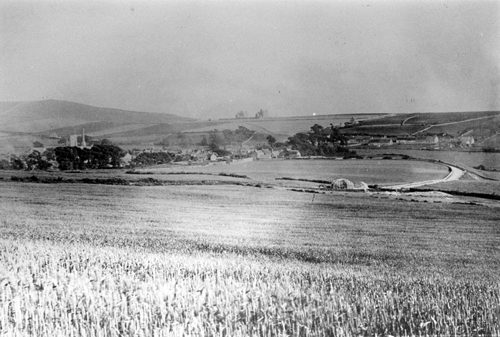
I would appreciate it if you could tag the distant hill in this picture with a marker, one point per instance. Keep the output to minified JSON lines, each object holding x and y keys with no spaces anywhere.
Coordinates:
{"x":52,"y":115}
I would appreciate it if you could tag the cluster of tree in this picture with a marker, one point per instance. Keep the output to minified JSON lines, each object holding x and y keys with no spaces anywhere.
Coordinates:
{"x":241,"y":114}
{"x":260,"y":114}
{"x":154,"y":158}
{"x":32,"y":161}
{"x":219,"y":139}
{"x":98,"y":157}
{"x":320,"y":142}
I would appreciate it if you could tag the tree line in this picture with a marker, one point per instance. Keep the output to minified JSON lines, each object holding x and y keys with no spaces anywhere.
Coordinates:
{"x":319,"y":141}
{"x":99,"y":156}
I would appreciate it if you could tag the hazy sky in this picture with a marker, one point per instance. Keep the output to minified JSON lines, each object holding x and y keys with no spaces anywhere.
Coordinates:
{"x":212,"y":59}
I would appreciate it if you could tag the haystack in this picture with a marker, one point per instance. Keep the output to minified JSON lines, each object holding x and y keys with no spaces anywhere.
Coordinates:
{"x":361,"y":186}
{"x":342,"y":184}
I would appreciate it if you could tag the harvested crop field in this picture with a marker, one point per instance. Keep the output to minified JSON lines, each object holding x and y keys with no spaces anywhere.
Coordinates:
{"x":369,"y":171}
{"x":242,"y":261}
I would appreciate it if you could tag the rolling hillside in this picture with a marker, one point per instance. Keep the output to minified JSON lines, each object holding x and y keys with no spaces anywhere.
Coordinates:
{"x":22,"y":123}
{"x":51,"y":115}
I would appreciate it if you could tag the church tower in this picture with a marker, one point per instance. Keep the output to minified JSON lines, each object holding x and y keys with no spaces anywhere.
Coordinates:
{"x":83,"y":138}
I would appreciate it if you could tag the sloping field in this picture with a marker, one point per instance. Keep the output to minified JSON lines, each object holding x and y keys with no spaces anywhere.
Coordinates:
{"x":98,"y":128}
{"x":168,"y":128}
{"x":387,"y":120}
{"x":493,"y":141}
{"x":288,"y":125}
{"x":42,"y":125}
{"x":450,"y":117}
{"x":431,"y":118}
{"x":184,"y":261}
{"x":397,"y":130}
{"x":479,"y":128}
{"x":52,"y":114}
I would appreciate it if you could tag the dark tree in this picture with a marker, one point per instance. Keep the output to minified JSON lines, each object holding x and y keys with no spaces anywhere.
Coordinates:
{"x":99,"y":156}
{"x":214,"y":141}
{"x":106,"y":141}
{"x":50,"y":154}
{"x":17,"y":163}
{"x":271,"y":140}
{"x":4,"y":164}
{"x":35,"y":161}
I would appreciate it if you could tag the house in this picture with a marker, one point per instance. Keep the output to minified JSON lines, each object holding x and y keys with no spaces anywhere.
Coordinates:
{"x":433,"y":140}
{"x":294,"y":154}
{"x":466,"y":141}
{"x":212,"y":157}
{"x":125,"y":160}
{"x":258,"y":154}
{"x":267,"y":154}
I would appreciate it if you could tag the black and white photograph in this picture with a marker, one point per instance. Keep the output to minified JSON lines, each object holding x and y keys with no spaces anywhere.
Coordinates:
{"x":220,"y":168}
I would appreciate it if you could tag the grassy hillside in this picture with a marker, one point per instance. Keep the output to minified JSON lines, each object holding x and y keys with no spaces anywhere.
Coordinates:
{"x":478,"y":128}
{"x":288,"y":125}
{"x":422,"y":118}
{"x":49,"y":115}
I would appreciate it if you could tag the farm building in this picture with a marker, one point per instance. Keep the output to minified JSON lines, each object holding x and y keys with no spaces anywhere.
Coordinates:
{"x":261,"y":154}
{"x":294,"y":154}
{"x":427,"y":140}
{"x":467,"y":141}
{"x":267,"y":153}
{"x":125,"y":160}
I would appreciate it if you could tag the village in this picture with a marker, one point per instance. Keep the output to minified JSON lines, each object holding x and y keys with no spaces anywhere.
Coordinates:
{"x":229,"y":146}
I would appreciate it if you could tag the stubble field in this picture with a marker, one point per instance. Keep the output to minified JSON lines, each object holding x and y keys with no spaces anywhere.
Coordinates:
{"x":100,"y":260}
{"x":369,"y":171}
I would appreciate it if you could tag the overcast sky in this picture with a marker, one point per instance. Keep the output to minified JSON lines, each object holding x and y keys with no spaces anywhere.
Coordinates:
{"x":212,"y":59}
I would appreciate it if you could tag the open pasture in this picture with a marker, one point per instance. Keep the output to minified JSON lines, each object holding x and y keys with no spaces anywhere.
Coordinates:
{"x":368,"y":171}
{"x":242,"y":261}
